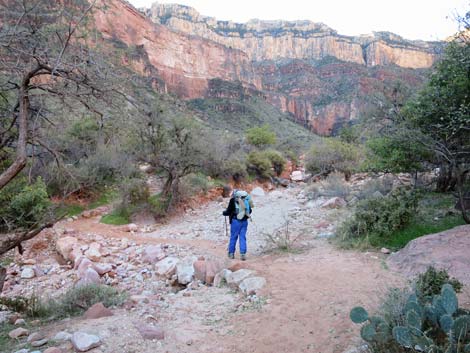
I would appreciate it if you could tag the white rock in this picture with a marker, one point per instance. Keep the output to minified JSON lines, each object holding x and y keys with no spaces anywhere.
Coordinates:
{"x":23,"y":351}
{"x":335,"y":202}
{"x":185,"y":272}
{"x":233,"y":279}
{"x":297,"y":175}
{"x":258,"y":191}
{"x":252,"y":285}
{"x":89,"y":277}
{"x":83,"y":342}
{"x":62,"y":336}
{"x":276,"y":193}
{"x":166,"y":267}
{"x":220,"y":277}
{"x":93,"y":252}
{"x":27,"y":273}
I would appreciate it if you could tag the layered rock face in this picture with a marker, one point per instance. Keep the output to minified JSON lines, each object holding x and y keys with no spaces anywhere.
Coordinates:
{"x":322,"y":79}
{"x":185,"y":63}
{"x":272,"y":40}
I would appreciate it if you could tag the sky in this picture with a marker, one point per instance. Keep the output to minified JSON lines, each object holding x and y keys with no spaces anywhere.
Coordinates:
{"x":412,"y":19}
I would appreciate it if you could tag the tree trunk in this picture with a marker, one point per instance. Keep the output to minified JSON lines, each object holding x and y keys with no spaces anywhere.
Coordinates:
{"x":3,"y":275}
{"x":446,"y":181}
{"x":11,"y":241}
{"x":20,"y":161}
{"x":461,"y":194}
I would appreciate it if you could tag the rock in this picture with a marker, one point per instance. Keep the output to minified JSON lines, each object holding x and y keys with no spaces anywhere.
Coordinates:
{"x":327,"y":235}
{"x":132,"y":227}
{"x":102,"y":269}
{"x":62,"y":336}
{"x":252,"y":285}
{"x":233,"y":279}
{"x":20,"y":322}
{"x":184,"y":272}
{"x":377,"y":194}
{"x":97,"y":311}
{"x":153,"y":253}
{"x":83,"y":264}
{"x":445,"y":250}
{"x":53,"y":350}
{"x":335,"y":202}
{"x":276,"y":194}
{"x":29,"y":262}
{"x":90,"y":277}
{"x":28,"y":273}
{"x":212,"y":268}
{"x":258,"y":191}
{"x":221,"y":277}
{"x":65,"y":245}
{"x":35,"y":336}
{"x":385,"y":251}
{"x":297,"y":175}
{"x":87,"y":214}
{"x":83,"y":342}
{"x":238,"y":265}
{"x":200,"y":270}
{"x":23,"y":351}
{"x":150,"y":332}
{"x":18,"y":332}
{"x":322,"y":224}
{"x":93,"y":252}
{"x":39,"y":343}
{"x":166,"y":267}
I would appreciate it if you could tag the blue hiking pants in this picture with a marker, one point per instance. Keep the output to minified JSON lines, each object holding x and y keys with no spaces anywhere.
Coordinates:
{"x":238,"y":229}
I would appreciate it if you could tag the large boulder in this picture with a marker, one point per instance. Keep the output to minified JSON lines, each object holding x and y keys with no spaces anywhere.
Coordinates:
{"x":90,"y":276}
{"x":446,"y":250}
{"x":18,"y":332}
{"x":153,"y":253}
{"x":166,"y":267}
{"x":206,"y":270}
{"x":97,"y":311}
{"x":235,"y":278}
{"x":297,"y":175}
{"x":258,"y":191}
{"x":252,"y":285}
{"x":93,"y":252}
{"x":65,"y":245}
{"x":185,"y":271}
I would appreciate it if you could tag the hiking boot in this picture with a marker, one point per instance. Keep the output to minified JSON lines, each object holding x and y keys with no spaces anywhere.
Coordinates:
{"x":231,"y":256}
{"x":243,"y":257}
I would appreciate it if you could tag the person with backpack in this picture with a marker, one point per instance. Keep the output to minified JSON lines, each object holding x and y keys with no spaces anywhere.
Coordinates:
{"x":239,"y":211}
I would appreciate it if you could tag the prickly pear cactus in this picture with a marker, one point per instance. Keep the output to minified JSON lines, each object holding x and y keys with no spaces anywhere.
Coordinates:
{"x":358,"y":315}
{"x":446,"y":322}
{"x":449,"y":299}
{"x":368,"y":332}
{"x":461,"y":328}
{"x":403,"y":336}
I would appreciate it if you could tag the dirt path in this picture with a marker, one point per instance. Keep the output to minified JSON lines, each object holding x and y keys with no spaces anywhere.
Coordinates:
{"x":306,"y":303}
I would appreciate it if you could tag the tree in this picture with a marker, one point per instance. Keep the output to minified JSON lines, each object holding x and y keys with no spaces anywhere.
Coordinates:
{"x":174,"y":147}
{"x":261,"y":136}
{"x":44,"y":62}
{"x":333,"y":155}
{"x":441,"y":114}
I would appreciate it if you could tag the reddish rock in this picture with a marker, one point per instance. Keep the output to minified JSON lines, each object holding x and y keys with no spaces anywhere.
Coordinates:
{"x":53,"y":350}
{"x":153,"y":254}
{"x":238,"y":266}
{"x":212,"y":268}
{"x":90,"y":276}
{"x":18,"y":332}
{"x":65,"y":246}
{"x":322,"y":224}
{"x":150,"y":332}
{"x":200,"y":270}
{"x":97,"y":311}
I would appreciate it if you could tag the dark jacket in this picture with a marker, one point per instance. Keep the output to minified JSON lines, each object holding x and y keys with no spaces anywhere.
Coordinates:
{"x":231,"y":211}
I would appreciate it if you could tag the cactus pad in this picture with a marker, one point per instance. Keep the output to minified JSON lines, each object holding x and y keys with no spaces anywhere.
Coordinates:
{"x":446,"y":322}
{"x":403,"y":336}
{"x":368,"y":333}
{"x":358,"y":315}
{"x":449,"y":299}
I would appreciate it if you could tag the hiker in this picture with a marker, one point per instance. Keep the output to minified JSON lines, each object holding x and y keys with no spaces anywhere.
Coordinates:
{"x":239,"y":211}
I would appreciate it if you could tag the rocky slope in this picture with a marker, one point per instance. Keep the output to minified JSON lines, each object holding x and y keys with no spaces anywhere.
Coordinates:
{"x":322,"y":79}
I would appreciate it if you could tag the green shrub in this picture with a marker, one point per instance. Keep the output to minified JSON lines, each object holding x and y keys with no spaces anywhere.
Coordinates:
{"x":334,"y":186}
{"x":437,"y":325}
{"x":383,"y":185}
{"x":430,"y":283}
{"x":235,"y":168}
{"x":375,"y":219}
{"x":193,"y":184}
{"x":261,"y":136}
{"x":259,"y":164}
{"x":78,"y":299}
{"x":23,"y":205}
{"x":159,"y":205}
{"x":333,"y":155}
{"x":133,"y":192}
{"x":117,"y":217}
{"x":278,"y":162}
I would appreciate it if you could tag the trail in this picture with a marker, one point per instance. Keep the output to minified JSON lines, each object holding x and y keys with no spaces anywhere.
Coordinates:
{"x":309,"y":294}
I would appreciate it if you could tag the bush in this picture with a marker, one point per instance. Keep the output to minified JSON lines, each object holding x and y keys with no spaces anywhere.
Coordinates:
{"x":334,"y":186}
{"x":159,"y":205}
{"x":236,"y":169}
{"x":375,"y":219}
{"x":383,"y":185}
{"x":261,"y":136}
{"x":278,"y":162}
{"x":333,"y":155}
{"x":23,"y":205}
{"x":259,"y":164}
{"x":409,"y":324}
{"x":430,"y":283}
{"x":193,"y":184}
